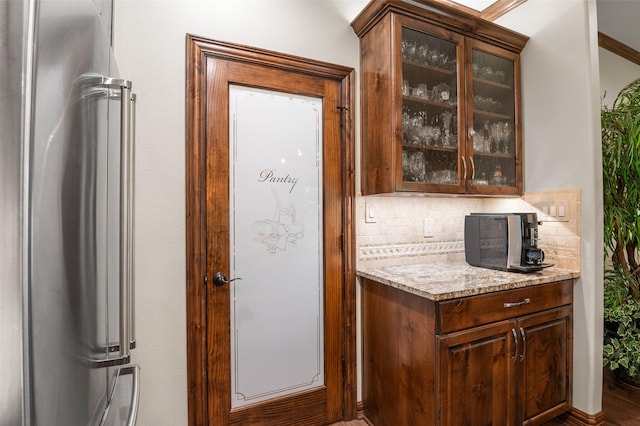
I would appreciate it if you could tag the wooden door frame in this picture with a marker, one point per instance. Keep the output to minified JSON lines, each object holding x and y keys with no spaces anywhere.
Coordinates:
{"x":198,"y":49}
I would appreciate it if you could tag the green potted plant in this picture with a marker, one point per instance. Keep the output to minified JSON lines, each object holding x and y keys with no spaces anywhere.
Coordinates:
{"x":622,"y":332}
{"x":621,"y":190}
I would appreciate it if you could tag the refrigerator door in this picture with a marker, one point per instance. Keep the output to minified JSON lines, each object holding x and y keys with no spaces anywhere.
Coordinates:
{"x":66,"y":298}
{"x":13,"y":55}
{"x":80,"y":208}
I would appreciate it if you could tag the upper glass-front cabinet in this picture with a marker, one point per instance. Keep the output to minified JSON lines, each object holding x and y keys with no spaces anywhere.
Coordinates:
{"x":440,"y":105}
{"x":494,"y":146}
{"x":429,"y":109}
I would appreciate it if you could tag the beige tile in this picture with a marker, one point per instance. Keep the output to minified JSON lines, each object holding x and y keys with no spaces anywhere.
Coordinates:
{"x":399,"y":221}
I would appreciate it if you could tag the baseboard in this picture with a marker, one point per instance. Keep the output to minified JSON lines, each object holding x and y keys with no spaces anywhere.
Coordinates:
{"x":361,"y":416}
{"x":575,"y":417}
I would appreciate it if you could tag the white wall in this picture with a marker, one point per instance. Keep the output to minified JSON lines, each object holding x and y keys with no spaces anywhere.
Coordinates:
{"x":562,"y":149}
{"x":150,"y":48}
{"x":615,"y":73}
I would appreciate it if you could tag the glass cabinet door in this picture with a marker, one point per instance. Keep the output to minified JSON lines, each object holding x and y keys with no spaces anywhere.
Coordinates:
{"x":493,"y":140}
{"x":429,"y":110}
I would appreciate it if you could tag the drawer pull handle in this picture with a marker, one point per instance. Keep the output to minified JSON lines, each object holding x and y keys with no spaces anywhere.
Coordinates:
{"x":516,"y":304}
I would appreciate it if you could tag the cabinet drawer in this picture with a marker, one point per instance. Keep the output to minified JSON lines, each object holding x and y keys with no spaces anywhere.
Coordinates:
{"x":465,"y":312}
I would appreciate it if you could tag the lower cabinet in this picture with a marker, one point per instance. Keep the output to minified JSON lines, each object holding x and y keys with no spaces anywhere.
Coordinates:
{"x":477,"y":383}
{"x":502,"y":358}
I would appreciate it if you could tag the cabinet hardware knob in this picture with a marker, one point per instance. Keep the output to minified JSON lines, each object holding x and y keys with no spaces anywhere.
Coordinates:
{"x":524,"y":344}
{"x":464,"y":163}
{"x":515,"y":340}
{"x":473,"y":170}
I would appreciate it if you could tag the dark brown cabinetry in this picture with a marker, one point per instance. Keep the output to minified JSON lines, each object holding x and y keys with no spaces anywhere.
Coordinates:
{"x":500,"y":358}
{"x":440,"y":102}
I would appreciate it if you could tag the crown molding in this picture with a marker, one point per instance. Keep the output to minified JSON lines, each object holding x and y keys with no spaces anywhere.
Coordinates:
{"x":490,"y":13}
{"x":620,"y":49}
{"x":499,"y":8}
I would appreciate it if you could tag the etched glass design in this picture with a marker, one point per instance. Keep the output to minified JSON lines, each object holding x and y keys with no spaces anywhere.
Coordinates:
{"x":277,"y":336}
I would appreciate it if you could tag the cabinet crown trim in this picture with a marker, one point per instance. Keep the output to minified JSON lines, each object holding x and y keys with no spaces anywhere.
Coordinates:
{"x":444,"y":16}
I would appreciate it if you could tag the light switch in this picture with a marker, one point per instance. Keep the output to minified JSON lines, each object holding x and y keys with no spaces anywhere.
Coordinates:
{"x":561,"y":210}
{"x":545,"y":212}
{"x":552,"y":211}
{"x":427,"y":226}
{"x":369,"y":213}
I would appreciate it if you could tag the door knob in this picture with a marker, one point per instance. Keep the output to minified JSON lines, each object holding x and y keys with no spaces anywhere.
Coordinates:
{"x":221,"y":279}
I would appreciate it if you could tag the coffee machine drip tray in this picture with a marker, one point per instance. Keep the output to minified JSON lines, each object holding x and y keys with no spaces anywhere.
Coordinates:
{"x":529,"y":268}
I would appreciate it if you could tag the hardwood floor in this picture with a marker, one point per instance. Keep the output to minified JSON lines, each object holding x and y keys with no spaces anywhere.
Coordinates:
{"x":352,"y":423}
{"x":621,"y":406}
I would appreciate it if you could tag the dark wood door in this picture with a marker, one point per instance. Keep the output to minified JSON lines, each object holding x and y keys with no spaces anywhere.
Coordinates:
{"x":545,"y":365}
{"x":477,"y":375}
{"x":214,"y":68}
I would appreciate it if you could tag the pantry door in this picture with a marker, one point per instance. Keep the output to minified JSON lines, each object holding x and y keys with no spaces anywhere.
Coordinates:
{"x":275,"y":210}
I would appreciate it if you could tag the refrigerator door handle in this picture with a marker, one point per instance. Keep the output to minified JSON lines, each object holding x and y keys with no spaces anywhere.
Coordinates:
{"x":135,"y":394}
{"x":121,"y":89}
{"x":125,"y":395}
{"x":131,"y":222}
{"x":124,"y":293}
{"x":130,"y":228}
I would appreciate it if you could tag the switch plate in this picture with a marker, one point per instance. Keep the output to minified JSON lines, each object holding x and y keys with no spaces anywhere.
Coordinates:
{"x":543,"y":212}
{"x":427,"y":228}
{"x":369,"y":213}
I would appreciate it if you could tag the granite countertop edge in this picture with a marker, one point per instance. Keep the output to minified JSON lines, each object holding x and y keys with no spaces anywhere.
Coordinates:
{"x":446,"y":281}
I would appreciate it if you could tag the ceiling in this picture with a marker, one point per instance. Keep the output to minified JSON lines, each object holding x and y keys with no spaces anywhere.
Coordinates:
{"x":616,"y":18}
{"x":619,"y":19}
{"x":478,"y":5}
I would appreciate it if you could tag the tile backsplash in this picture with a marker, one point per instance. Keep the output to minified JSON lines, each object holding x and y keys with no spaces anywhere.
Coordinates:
{"x":406,"y":229}
{"x":559,"y":235}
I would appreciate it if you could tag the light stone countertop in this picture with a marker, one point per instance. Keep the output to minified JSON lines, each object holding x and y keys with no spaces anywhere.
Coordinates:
{"x":442,"y":281}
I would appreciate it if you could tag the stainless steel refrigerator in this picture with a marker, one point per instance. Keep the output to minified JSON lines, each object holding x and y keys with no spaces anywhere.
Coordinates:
{"x":66,"y":218}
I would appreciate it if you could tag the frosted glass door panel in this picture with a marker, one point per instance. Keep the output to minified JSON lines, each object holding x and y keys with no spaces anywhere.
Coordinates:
{"x":275,"y":244}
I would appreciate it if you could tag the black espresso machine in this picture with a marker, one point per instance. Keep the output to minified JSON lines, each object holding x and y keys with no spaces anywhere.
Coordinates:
{"x":503,"y":241}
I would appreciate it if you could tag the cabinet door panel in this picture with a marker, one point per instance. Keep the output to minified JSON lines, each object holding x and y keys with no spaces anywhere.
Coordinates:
{"x":477,"y":376}
{"x":493,"y":117}
{"x":545,"y":364}
{"x":428,"y":90}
